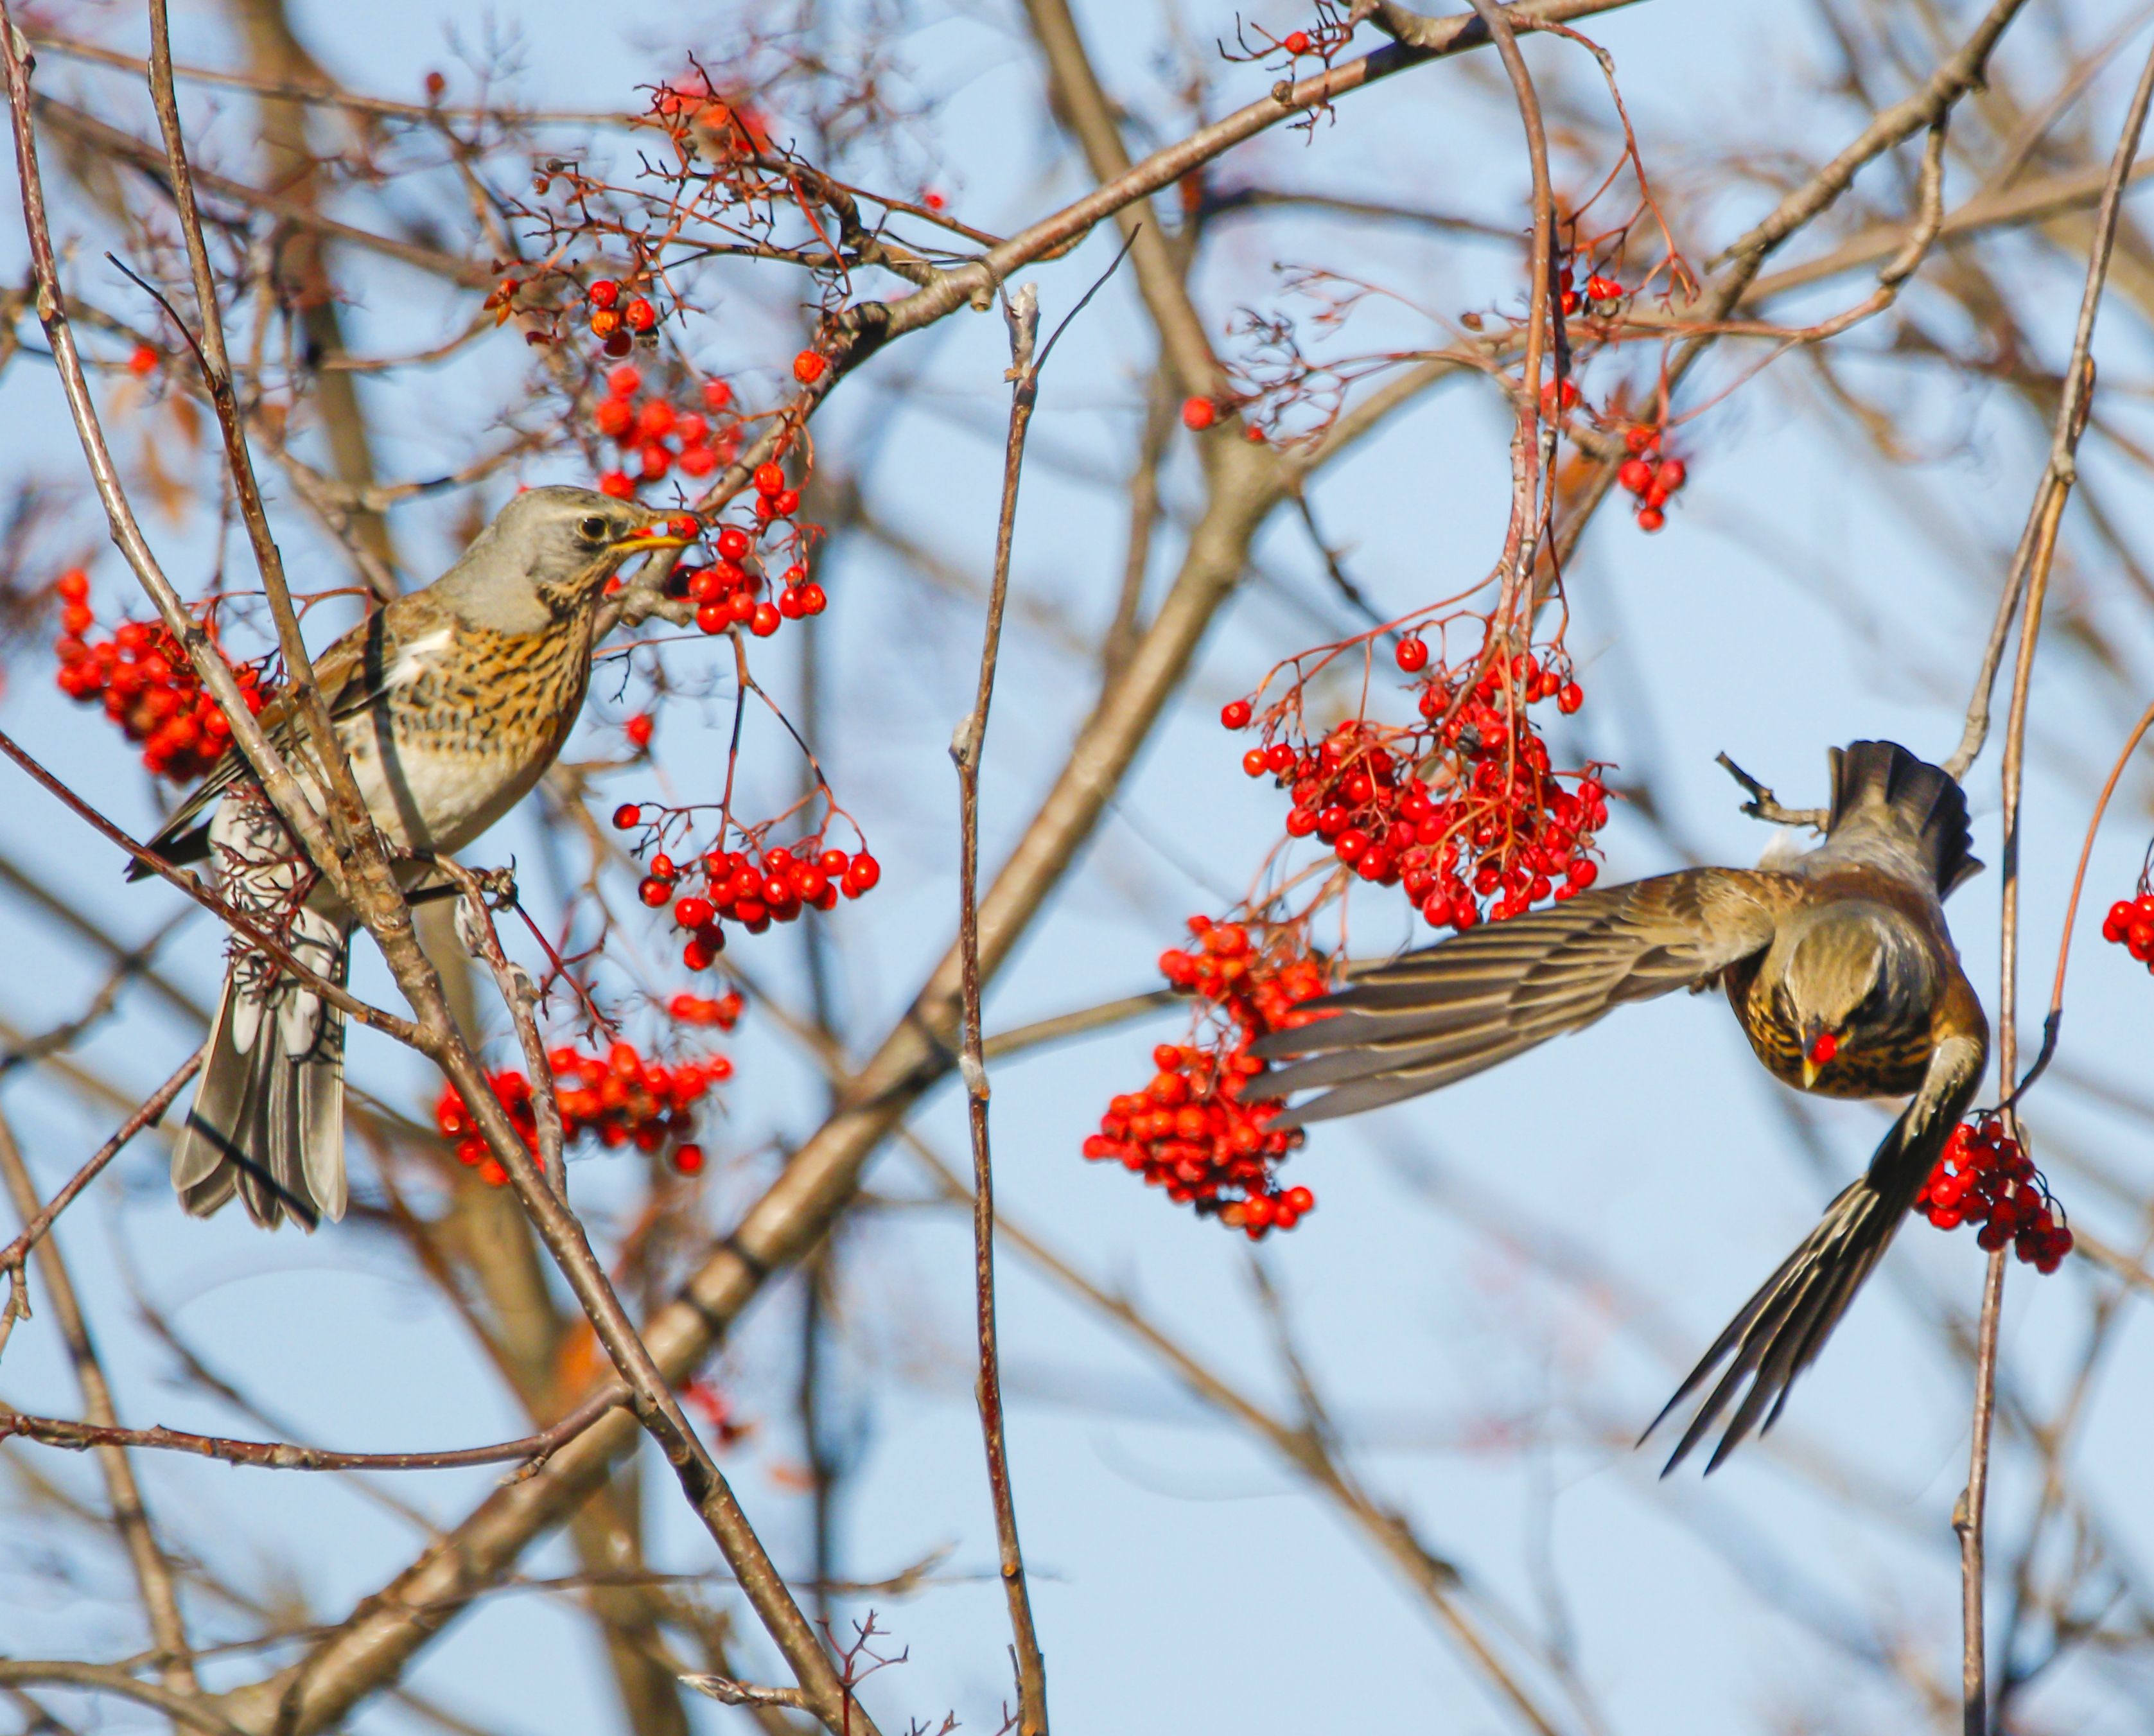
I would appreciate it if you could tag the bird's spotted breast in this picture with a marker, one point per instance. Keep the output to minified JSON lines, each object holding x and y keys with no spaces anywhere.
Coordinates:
{"x":466,"y":737}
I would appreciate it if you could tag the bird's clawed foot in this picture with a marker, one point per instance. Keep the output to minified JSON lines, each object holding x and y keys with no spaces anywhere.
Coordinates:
{"x":1763,"y":806}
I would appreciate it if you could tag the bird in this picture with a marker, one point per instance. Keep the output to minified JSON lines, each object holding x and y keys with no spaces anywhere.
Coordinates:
{"x":451,"y":703}
{"x":1840,"y":971}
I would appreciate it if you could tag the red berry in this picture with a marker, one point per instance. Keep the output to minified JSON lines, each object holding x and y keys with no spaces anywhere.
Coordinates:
{"x":616,"y":483}
{"x":765,"y":621}
{"x":1295,"y":42}
{"x":1412,"y":655}
{"x":1235,"y":714}
{"x":626,"y":817}
{"x":733,"y":541}
{"x":1651,"y":519}
{"x":692,"y":912}
{"x":1641,"y":439}
{"x":73,"y":585}
{"x":603,"y":293}
{"x":1634,"y":476}
{"x":1672,"y":474}
{"x":688,"y":1159}
{"x":142,"y":361}
{"x":862,"y":875}
{"x":808,"y":367}
{"x":613,"y":418}
{"x":625,"y":381}
{"x":639,"y":316}
{"x":638,"y":729}
{"x":1198,"y":414}
{"x":769,"y":479}
{"x":1568,"y":698}
{"x":653,"y":891}
{"x":813,"y":601}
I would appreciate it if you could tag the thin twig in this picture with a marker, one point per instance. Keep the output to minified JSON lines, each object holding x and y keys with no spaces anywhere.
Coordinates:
{"x":1022,"y":310}
{"x":42,"y":1219}
{"x":287,"y":1456}
{"x":130,"y":1516}
{"x":2051,"y":495}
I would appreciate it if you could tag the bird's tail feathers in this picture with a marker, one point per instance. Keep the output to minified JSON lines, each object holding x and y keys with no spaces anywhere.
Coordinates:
{"x":1779,"y":1330}
{"x":268,"y":1118}
{"x":1880,"y":788}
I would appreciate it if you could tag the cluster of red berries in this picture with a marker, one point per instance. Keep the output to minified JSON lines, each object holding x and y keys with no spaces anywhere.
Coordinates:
{"x":1201,"y":1129}
{"x":1983,"y":1177}
{"x":2130,"y":924}
{"x":724,"y":1012}
{"x":698,"y":119}
{"x":1596,"y":293}
{"x":1496,"y":834}
{"x":147,"y":685}
{"x":618,"y":318}
{"x":656,"y":436}
{"x":1649,"y":476}
{"x":753,"y":890}
{"x":730,"y":592}
{"x":623,"y":1100}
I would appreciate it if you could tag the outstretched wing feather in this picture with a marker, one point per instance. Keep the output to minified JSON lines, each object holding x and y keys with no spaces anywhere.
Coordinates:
{"x":1474,"y":1000}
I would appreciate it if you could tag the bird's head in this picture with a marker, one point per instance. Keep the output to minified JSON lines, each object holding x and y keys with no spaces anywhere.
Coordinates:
{"x":1851,"y":975}
{"x":549,"y":552}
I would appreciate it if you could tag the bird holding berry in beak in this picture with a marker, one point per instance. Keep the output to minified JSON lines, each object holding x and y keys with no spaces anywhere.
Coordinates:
{"x":1839,"y":969}
{"x":451,"y":703}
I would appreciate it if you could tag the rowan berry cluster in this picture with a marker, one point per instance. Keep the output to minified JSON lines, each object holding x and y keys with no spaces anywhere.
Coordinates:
{"x":1594,"y":292}
{"x":703,"y":123}
{"x":732,"y":590}
{"x":2130,"y":924}
{"x":1201,"y":1128}
{"x":621,"y":1100}
{"x":1464,"y":812}
{"x":1650,"y":476}
{"x":1985,"y":1177}
{"x":146,"y":685}
{"x":657,"y":435}
{"x":724,"y":1012}
{"x":753,"y":887}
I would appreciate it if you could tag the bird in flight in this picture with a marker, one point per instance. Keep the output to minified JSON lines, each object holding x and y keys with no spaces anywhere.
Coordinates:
{"x":1839,"y":969}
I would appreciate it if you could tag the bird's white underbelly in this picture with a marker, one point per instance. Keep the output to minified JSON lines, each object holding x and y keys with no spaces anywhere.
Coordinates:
{"x":438,"y":801}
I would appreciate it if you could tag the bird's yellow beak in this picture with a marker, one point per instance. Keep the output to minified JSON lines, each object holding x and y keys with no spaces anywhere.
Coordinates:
{"x":1810,"y":1073}
{"x":642,"y":541}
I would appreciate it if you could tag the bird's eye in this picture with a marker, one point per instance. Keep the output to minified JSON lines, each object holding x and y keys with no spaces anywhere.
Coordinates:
{"x":592,"y":529}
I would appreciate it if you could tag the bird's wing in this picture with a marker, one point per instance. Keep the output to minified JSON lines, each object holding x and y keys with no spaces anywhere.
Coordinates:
{"x":1469,"y":1002}
{"x":388,"y":650}
{"x":1781,"y":1329}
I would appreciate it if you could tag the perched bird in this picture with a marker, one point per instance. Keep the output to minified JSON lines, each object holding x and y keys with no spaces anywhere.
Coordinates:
{"x":1838,"y":967}
{"x":451,"y":703}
